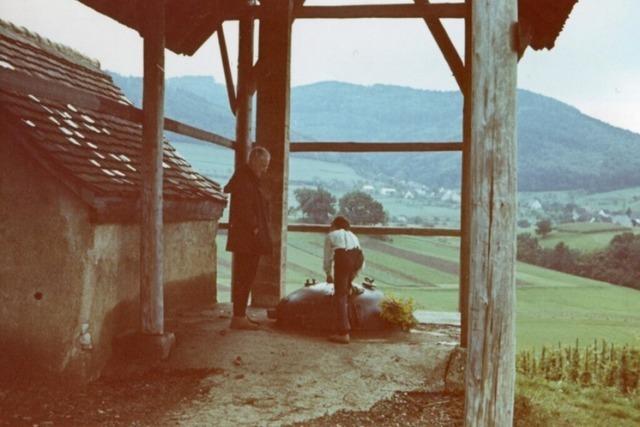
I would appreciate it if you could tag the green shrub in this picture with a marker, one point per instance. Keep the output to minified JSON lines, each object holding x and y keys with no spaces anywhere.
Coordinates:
{"x":398,"y":311}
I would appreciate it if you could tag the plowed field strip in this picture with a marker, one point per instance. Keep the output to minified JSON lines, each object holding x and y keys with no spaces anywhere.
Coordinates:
{"x":430,"y":261}
{"x":369,"y":264}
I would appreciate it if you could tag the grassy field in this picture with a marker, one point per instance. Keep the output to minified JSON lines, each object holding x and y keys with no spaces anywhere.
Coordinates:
{"x":551,"y":306}
{"x":542,"y":403}
{"x":585,"y":237}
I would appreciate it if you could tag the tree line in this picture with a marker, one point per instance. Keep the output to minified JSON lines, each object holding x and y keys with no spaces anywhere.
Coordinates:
{"x":318,"y":206}
{"x":618,"y":263}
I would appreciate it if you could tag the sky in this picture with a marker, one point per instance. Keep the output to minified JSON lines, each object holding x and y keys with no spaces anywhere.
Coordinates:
{"x":595,"y":65}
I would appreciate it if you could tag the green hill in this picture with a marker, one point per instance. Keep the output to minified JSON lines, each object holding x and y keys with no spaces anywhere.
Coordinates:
{"x":559,"y":148}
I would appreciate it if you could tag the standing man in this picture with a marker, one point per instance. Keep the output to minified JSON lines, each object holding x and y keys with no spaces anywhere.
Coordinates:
{"x":248,"y":232}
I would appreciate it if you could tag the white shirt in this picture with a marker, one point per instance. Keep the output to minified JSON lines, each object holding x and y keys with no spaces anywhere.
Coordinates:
{"x":337,"y":239}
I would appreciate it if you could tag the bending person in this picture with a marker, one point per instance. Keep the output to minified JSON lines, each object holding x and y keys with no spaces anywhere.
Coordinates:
{"x":342,"y":250}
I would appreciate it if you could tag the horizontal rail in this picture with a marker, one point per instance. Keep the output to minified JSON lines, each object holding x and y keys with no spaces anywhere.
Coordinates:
{"x":378,"y":230}
{"x":439,"y":10}
{"x":360,"y":11}
{"x":366,"y":147}
{"x":197,"y":133}
{"x":59,"y":92}
{"x":370,"y":230}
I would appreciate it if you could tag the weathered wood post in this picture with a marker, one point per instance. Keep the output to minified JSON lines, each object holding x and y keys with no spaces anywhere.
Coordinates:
{"x":465,"y":184}
{"x":272,"y":132}
{"x":151,"y":241}
{"x":490,"y":369}
{"x":244,"y":97}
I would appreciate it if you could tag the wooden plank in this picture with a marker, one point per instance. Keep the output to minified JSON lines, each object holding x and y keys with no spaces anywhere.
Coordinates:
{"x":445,"y":44}
{"x":59,"y":92}
{"x":374,"y":147}
{"x":226,"y":66}
{"x":490,"y":367}
{"x":440,"y":10}
{"x":465,"y":194}
{"x":272,"y":132}
{"x":151,"y":252}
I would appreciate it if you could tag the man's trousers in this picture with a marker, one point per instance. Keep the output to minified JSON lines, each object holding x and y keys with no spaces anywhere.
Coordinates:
{"x":243,"y":274}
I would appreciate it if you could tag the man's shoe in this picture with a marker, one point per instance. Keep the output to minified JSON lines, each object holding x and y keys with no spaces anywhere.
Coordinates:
{"x":340,"y":338}
{"x":238,"y":322}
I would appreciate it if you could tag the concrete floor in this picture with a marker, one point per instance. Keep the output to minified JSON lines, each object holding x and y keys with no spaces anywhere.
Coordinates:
{"x":276,"y":377}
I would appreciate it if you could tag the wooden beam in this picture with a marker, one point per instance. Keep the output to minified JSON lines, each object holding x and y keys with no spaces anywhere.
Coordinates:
{"x":364,"y":11}
{"x":228,"y":78}
{"x":59,"y":92}
{"x":445,"y":44}
{"x":465,"y":193}
{"x":272,"y":132}
{"x":194,"y":132}
{"x":151,"y":253}
{"x":490,"y":367}
{"x":374,"y":147}
{"x":439,"y":10}
{"x":379,"y":230}
{"x":370,"y":230}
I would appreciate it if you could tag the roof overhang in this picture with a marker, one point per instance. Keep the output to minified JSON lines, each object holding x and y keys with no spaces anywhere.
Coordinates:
{"x":189,"y":22}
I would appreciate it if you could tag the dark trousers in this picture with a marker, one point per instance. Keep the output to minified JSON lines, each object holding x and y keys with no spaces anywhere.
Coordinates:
{"x":243,"y":273}
{"x":343,"y":274}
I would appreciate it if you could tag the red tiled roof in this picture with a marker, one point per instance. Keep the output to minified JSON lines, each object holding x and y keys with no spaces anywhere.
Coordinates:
{"x":26,"y":52}
{"x":95,"y":149}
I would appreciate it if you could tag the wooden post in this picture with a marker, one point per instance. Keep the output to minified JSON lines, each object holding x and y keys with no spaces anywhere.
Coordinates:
{"x":244,"y":101}
{"x":244,"y":98}
{"x":272,"y":132}
{"x":465,"y":184}
{"x":151,"y":280}
{"x":490,"y":368}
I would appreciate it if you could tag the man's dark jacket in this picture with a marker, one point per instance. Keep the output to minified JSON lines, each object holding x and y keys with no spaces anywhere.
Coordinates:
{"x":248,"y":215}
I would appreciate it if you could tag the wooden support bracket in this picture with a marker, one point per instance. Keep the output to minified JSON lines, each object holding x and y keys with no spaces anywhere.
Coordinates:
{"x":226,"y":65}
{"x":445,"y":44}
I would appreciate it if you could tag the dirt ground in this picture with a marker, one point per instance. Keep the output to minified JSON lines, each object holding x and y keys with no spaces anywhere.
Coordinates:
{"x":217,"y":376}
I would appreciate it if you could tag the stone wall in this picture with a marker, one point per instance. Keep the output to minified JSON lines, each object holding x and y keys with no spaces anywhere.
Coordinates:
{"x":59,"y":272}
